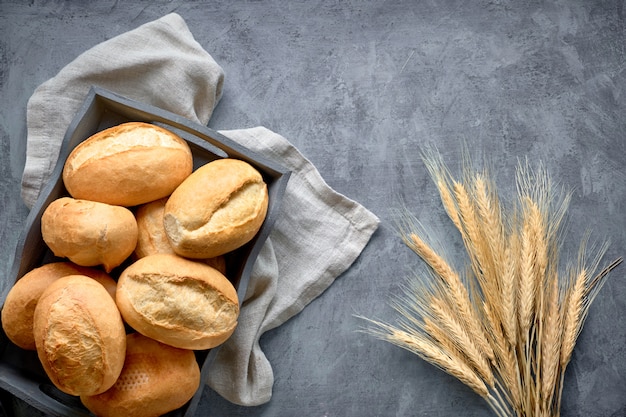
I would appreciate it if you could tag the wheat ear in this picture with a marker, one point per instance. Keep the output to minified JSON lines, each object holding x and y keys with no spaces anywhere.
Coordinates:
{"x":550,"y":346}
{"x":455,"y":290}
{"x":428,"y":350}
{"x":447,"y":319}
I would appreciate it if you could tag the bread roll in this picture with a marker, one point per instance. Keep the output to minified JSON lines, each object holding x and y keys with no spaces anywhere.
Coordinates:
{"x":152,"y":238}
{"x":89,"y":233}
{"x":155,"y":380}
{"x":217,"y":209}
{"x":177,"y":301}
{"x":80,"y":336}
{"x":19,"y":307}
{"x":127,"y":165}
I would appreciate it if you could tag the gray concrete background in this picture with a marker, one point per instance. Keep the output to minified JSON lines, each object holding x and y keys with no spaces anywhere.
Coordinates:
{"x":358,"y":87}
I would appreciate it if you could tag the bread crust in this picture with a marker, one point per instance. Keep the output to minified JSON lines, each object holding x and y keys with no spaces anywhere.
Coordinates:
{"x":177,"y":301}
{"x":152,"y":238}
{"x":217,"y":209}
{"x":19,"y":307}
{"x":155,"y":380}
{"x":89,"y":233}
{"x":127,"y":165}
{"x":79,"y":335}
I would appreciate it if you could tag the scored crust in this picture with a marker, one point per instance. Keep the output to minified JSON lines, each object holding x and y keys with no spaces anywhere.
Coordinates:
{"x":179,"y":302}
{"x":217,"y":209}
{"x":127,"y":165}
{"x":79,"y":335}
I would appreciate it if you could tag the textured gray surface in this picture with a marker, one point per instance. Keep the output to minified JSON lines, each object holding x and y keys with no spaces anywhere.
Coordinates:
{"x":358,"y":87}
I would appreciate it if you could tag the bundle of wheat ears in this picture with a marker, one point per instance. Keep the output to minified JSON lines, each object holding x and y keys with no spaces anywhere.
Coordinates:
{"x":505,"y":325}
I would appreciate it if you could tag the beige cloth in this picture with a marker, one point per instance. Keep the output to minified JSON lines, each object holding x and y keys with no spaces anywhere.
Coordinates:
{"x":160,"y":63}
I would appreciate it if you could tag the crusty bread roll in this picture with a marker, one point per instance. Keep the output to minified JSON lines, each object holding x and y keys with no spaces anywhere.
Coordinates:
{"x":152,"y":238}
{"x":127,"y":165}
{"x":217,"y":209}
{"x":177,"y":301}
{"x":80,"y":335}
{"x":155,"y":380}
{"x":19,"y":307}
{"x":89,"y":233}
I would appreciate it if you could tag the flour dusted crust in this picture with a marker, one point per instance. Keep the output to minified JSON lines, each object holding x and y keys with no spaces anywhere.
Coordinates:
{"x":177,"y":301}
{"x":79,"y":335}
{"x":89,"y":233}
{"x":155,"y":380}
{"x":19,"y":307}
{"x":127,"y":165}
{"x":217,"y":209}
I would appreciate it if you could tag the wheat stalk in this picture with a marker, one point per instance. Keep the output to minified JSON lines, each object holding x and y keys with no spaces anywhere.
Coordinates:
{"x":508,"y":326}
{"x":550,"y":347}
{"x":509,"y":289}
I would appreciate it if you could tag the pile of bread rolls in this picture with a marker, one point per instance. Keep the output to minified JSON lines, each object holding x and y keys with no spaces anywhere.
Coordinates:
{"x":143,"y":282}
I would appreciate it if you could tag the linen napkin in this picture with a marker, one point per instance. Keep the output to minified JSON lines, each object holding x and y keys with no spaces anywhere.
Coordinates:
{"x":160,"y":63}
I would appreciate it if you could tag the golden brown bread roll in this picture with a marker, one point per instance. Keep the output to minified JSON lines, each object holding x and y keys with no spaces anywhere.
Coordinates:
{"x":177,"y":301}
{"x":152,"y":238}
{"x":80,"y":335}
{"x":217,"y":209}
{"x":89,"y":233}
{"x":155,"y":380}
{"x":19,"y":307}
{"x":127,"y":165}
